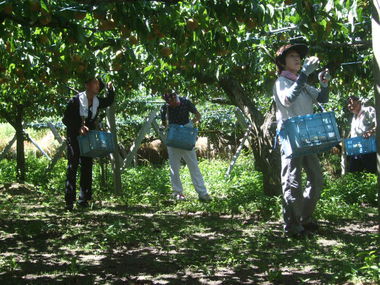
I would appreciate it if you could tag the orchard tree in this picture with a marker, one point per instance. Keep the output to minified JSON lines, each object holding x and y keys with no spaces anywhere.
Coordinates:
{"x":218,"y":51}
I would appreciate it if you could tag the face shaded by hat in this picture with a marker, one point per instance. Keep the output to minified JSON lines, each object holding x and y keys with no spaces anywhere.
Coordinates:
{"x":281,"y":53}
{"x":171,"y":98}
{"x":91,"y":79}
{"x":354,"y":104}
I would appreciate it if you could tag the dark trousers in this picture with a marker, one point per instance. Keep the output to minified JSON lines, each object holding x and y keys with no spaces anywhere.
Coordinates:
{"x":364,"y":162}
{"x":73,"y":160}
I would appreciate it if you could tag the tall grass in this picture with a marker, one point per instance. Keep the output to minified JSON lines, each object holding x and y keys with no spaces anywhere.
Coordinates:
{"x":241,"y":193}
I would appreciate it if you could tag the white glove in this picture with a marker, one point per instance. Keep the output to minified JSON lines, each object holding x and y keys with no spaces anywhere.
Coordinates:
{"x":310,"y":64}
{"x":324,"y":77}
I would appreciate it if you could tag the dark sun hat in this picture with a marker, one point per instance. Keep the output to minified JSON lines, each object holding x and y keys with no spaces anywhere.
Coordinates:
{"x":302,"y":50}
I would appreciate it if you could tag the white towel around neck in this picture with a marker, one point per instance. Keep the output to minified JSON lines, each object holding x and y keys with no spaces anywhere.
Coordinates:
{"x":83,"y":105}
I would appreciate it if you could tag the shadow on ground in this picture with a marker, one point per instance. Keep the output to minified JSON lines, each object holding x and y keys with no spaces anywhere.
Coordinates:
{"x":41,"y":244}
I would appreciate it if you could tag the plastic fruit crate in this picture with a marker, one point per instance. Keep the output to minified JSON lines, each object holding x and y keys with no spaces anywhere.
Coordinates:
{"x":182,"y":137}
{"x":360,"y":145}
{"x":308,"y":134}
{"x":96,"y":144}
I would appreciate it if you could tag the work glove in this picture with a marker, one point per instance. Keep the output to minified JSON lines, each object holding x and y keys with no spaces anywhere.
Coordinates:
{"x":110,"y":86}
{"x":310,"y":64}
{"x":324,"y":77}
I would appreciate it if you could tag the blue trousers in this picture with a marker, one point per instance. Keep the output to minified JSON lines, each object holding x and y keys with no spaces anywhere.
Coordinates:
{"x":73,"y":161}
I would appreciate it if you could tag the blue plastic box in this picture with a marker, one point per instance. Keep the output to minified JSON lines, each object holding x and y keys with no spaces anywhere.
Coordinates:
{"x":360,"y":145}
{"x":96,"y":144}
{"x":182,"y":137}
{"x":314,"y":133}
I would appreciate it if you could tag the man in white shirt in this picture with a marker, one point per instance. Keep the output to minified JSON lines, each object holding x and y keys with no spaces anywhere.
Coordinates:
{"x":363,"y":124}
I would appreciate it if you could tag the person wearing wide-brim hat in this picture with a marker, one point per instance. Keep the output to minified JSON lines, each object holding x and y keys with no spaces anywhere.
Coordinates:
{"x":79,"y":117}
{"x":294,"y":97}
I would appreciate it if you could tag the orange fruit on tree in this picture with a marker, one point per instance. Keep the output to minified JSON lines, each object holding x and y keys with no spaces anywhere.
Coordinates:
{"x":81,"y":68}
{"x":45,"y":19}
{"x":79,"y":15}
{"x":19,"y":71}
{"x":7,"y":9}
{"x":283,"y":37}
{"x":328,"y":28}
{"x":160,"y":35}
{"x":76,"y":58}
{"x":99,"y":15}
{"x":133,"y":40}
{"x":43,"y":39}
{"x":125,"y":31}
{"x":106,"y":25}
{"x":192,"y":24}
{"x":116,"y":66}
{"x":250,"y":23}
{"x":240,"y":19}
{"x":166,"y":51}
{"x":34,"y":5}
{"x":150,"y":37}
{"x":222,"y":52}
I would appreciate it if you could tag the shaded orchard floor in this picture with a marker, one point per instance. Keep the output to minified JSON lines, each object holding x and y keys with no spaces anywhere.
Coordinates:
{"x":115,"y":244}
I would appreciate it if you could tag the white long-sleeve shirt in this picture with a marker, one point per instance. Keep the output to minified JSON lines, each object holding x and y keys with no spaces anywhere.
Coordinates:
{"x":302,"y":105}
{"x":363,"y":122}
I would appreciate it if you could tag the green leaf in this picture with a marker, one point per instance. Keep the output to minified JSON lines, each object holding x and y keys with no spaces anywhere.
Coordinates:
{"x":44,"y":6}
{"x":148,"y":68}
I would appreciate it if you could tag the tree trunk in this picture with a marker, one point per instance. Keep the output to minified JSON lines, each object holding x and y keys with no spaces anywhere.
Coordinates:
{"x":376,"y":51}
{"x":267,"y":160}
{"x":21,"y":168}
{"x":115,"y":157}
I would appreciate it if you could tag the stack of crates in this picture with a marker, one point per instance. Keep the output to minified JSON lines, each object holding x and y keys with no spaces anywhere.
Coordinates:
{"x":314,"y":133}
{"x":360,"y":145}
{"x":96,"y":144}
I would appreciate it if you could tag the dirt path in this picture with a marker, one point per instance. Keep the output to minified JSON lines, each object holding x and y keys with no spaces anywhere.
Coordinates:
{"x":112,"y":244}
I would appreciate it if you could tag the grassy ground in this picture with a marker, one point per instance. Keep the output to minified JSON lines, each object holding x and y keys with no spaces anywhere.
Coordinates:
{"x":145,"y":238}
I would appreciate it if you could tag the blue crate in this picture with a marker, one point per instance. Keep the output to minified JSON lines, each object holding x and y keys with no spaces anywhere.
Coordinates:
{"x":360,"y":145}
{"x":314,"y":133}
{"x":182,"y":137}
{"x":96,"y":144}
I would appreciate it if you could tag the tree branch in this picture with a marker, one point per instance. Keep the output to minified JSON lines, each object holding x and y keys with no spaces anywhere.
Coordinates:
{"x":221,"y":101}
{"x":4,"y":114}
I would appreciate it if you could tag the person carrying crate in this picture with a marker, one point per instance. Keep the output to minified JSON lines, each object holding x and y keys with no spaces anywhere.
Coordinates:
{"x":80,"y":117}
{"x":294,"y":97}
{"x":176,"y":111}
{"x":363,"y":124}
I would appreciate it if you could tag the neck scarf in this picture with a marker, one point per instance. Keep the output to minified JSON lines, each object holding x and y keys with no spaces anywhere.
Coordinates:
{"x":287,"y":74}
{"x":83,"y":105}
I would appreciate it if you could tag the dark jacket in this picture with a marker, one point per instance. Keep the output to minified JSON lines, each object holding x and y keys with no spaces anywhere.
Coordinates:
{"x":73,"y":121}
{"x":180,"y":114}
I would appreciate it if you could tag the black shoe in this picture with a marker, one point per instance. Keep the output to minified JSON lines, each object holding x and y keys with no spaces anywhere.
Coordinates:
{"x":312,"y":226}
{"x":300,"y":235}
{"x":69,"y":208}
{"x":83,"y":204}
